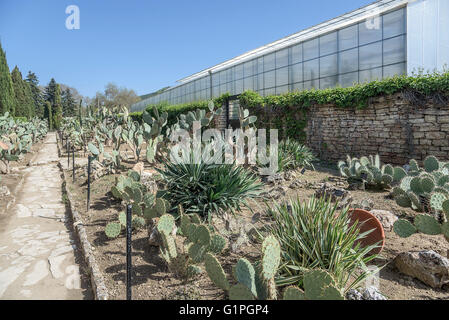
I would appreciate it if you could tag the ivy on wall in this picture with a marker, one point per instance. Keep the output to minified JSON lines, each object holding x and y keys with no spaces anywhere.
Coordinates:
{"x":288,"y":112}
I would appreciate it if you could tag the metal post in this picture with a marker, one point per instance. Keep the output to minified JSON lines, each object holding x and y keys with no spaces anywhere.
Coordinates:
{"x":68,"y":155}
{"x":128,"y":252}
{"x":89,"y":159}
{"x":73,"y":162}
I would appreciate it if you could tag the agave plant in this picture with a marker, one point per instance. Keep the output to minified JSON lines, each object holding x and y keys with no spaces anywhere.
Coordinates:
{"x":293,"y":155}
{"x":316,"y":235}
{"x":208,"y":188}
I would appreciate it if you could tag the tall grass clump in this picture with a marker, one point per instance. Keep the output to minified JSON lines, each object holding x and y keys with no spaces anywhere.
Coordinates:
{"x":315,"y":235}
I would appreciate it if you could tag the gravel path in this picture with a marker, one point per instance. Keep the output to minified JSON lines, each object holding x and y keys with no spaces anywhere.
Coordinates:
{"x":37,"y":250}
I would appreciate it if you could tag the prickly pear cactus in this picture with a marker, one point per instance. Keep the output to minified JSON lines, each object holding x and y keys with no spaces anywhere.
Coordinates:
{"x":369,"y":171}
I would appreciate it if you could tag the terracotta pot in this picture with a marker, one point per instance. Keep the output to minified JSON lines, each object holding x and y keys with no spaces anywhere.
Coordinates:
{"x":367,"y":221}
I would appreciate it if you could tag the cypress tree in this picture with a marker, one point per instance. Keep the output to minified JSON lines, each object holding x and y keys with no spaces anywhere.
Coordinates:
{"x":7,"y":97}
{"x":48,"y":114}
{"x":24,"y":100}
{"x":57,"y":108}
{"x":38,"y":99}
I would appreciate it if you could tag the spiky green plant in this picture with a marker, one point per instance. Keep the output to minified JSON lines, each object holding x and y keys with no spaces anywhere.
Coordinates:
{"x":316,"y":235}
{"x":208,"y":189}
{"x":293,"y":155}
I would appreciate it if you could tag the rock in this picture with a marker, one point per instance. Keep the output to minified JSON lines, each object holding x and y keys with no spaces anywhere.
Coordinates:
{"x":386,"y":218}
{"x":295,"y":184}
{"x":326,"y":190}
{"x":427,"y":266}
{"x":4,"y":191}
{"x":138,"y":167}
{"x":365,"y":204}
{"x":273,"y":179}
{"x":289,"y":175}
{"x":277,"y":192}
{"x":256,"y":217}
{"x":353,"y":294}
{"x":372,"y":293}
{"x":240,"y":241}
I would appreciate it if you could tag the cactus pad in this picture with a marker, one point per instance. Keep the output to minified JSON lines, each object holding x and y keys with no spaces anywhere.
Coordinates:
{"x":134,"y":175}
{"x":403,"y":201}
{"x":398,"y":174}
{"x":427,"y":184}
{"x":166,"y":224}
{"x":113,"y":230}
{"x":293,"y":293}
{"x":427,"y":225}
{"x":431,"y":164}
{"x":138,"y":222}
{"x":404,"y":228}
{"x":215,"y":272}
{"x":245,"y":274}
{"x":271,"y":257}
{"x":240,"y":292}
{"x":217,"y":244}
{"x":122,"y":218}
{"x":436,"y":201}
{"x":446,"y":208}
{"x":149,"y":213}
{"x":196,"y":252}
{"x":159,"y":205}
{"x":203,"y":235}
{"x":315,"y":281}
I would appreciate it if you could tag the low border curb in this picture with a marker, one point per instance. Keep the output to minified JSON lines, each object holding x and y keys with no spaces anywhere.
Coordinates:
{"x":96,"y":278}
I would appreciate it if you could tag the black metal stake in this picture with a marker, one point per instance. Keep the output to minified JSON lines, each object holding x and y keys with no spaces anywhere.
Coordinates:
{"x":128,"y":252}
{"x":89,"y":159}
{"x":68,"y":155}
{"x":73,"y":163}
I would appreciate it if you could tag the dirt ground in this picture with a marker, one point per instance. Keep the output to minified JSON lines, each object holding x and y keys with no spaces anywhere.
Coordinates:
{"x":151,"y":279}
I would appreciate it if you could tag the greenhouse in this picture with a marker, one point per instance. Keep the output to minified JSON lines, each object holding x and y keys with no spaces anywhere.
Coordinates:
{"x":377,"y":41}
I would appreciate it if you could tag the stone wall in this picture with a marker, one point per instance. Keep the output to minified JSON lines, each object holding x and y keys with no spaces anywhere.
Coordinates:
{"x":390,"y":126}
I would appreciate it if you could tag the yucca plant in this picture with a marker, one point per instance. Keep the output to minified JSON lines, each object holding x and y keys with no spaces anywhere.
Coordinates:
{"x":293,"y":155}
{"x":315,"y":235}
{"x":208,"y":188}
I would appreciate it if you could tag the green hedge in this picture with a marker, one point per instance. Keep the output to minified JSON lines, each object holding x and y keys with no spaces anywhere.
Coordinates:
{"x":174,"y":111}
{"x":288,"y":111}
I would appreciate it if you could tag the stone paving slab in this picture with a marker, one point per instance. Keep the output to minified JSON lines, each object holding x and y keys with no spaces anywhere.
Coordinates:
{"x":37,"y":251}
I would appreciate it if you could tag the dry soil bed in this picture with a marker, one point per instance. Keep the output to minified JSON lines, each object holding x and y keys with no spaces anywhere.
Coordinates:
{"x":151,"y":279}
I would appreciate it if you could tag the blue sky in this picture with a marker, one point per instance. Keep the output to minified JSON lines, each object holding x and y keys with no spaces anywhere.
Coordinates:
{"x":147,"y":45}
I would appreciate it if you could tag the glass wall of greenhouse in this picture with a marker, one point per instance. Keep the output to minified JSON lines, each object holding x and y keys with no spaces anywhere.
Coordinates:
{"x":357,"y":53}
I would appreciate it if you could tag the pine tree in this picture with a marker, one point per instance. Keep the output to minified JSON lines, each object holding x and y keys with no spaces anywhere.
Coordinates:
{"x":57,"y":108}
{"x":24,"y":100}
{"x":48,"y":114}
{"x":36,"y":92}
{"x":7,"y":97}
{"x":68,"y":104}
